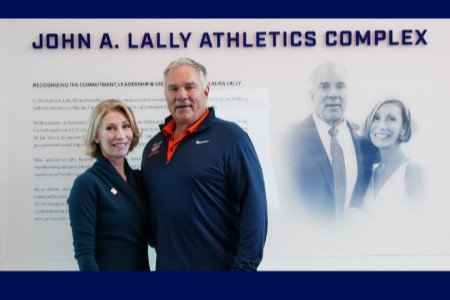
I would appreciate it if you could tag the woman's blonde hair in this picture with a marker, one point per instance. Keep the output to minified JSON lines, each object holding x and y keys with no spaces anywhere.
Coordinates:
{"x":92,"y":148}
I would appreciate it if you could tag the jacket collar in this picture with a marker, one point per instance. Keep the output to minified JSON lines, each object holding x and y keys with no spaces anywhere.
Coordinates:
{"x":204,"y":125}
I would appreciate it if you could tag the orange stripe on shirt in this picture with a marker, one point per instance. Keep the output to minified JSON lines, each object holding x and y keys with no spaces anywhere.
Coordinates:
{"x":169,"y":131}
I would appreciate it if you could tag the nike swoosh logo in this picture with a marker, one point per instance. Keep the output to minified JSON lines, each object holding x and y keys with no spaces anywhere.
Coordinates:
{"x":198,"y":142}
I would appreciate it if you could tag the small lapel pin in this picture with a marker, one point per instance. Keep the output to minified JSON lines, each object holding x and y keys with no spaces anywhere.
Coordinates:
{"x":114,"y":191}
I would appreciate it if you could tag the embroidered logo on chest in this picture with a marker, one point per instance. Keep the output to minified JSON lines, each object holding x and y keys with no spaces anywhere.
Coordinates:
{"x":199,"y":142}
{"x":154,"y":149}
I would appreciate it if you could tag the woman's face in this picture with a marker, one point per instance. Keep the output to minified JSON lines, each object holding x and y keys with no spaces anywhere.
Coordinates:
{"x":114,"y":135}
{"x":387,"y":125}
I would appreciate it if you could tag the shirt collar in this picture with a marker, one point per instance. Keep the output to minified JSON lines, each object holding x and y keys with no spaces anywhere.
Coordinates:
{"x":169,"y":128}
{"x":322,"y":126}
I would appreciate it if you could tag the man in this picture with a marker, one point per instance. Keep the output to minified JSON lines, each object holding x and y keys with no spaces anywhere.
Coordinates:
{"x":332,"y":162}
{"x":204,"y":182}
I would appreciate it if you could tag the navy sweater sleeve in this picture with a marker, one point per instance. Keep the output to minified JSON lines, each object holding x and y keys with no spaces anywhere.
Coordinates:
{"x":248,"y":187}
{"x":82,"y":212}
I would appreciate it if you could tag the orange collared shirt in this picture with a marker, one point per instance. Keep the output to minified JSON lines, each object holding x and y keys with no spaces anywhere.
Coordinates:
{"x":169,"y":131}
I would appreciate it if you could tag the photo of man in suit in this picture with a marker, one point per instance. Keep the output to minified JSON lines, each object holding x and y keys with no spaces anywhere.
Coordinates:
{"x":331,"y":162}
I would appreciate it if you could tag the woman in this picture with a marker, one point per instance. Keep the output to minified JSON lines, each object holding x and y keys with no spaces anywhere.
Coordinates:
{"x":396,"y":181}
{"x":108,"y":214}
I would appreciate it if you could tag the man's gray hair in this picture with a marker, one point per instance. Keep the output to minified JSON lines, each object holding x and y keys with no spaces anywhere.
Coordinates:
{"x":190,"y":62}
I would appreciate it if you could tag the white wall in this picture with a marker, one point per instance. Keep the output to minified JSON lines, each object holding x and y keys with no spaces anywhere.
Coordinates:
{"x":274,"y":80}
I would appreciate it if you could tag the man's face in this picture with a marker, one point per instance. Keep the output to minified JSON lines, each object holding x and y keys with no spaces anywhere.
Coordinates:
{"x":185,"y":95}
{"x":329,"y":93}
